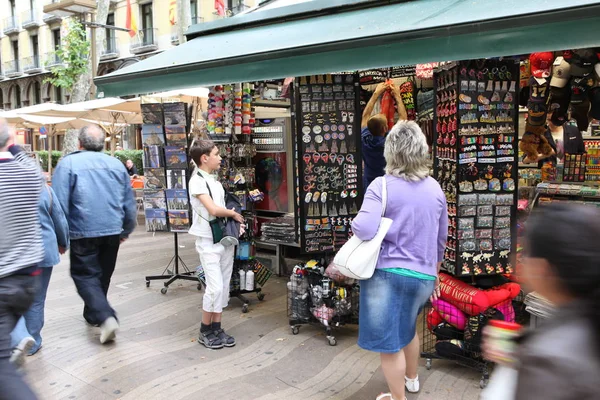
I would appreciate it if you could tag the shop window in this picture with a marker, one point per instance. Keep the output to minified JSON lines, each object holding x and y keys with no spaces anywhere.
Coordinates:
{"x":17,"y":90}
{"x":194,"y":11}
{"x":58,"y":94}
{"x":147,"y":16}
{"x":56,"y":38}
{"x":15,"y":51}
{"x":36,"y":96}
{"x":35,"y":47}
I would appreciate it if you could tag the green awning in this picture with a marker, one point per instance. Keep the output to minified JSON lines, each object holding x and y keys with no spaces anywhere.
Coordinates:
{"x":395,"y":33}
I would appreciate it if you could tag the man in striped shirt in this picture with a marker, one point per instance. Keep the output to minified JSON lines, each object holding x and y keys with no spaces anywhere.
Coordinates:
{"x":20,"y":250}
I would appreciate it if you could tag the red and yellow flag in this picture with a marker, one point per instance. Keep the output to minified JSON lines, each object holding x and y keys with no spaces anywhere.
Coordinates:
{"x":220,"y":7}
{"x":173,"y":12}
{"x":130,"y":20}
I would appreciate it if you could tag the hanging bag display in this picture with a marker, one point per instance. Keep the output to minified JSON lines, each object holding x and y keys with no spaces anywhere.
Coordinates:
{"x":357,"y":258}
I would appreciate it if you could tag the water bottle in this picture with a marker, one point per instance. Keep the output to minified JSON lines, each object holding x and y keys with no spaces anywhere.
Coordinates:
{"x":242,"y":279}
{"x":250,"y":280}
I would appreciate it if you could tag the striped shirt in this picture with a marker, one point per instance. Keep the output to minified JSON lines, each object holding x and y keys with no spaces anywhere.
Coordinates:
{"x":20,"y":234}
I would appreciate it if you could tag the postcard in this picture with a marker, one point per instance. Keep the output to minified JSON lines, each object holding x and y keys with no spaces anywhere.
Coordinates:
{"x":153,"y":157}
{"x":155,"y":199}
{"x":175,"y":157}
{"x":179,"y":221}
{"x":175,"y":114}
{"x":176,"y":179}
{"x":152,"y":113}
{"x":154,"y":179}
{"x":177,"y":199}
{"x":156,"y":220}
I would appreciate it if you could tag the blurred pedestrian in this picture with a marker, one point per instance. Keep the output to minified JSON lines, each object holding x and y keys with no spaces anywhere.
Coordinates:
{"x":560,"y":359}
{"x":26,"y":337}
{"x":411,"y":254}
{"x":20,"y":251}
{"x":94,"y":191}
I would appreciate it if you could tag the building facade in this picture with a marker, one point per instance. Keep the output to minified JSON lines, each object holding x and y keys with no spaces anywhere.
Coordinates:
{"x":29,"y":38}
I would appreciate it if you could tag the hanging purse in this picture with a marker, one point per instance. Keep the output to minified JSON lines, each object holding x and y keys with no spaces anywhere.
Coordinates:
{"x":217,"y":225}
{"x":357,"y":258}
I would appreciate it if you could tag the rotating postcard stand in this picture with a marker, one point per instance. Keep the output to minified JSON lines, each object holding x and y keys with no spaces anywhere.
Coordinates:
{"x":166,"y":204}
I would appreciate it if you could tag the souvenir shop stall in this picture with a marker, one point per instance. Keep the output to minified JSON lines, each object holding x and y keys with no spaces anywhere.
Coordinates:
{"x":475,"y":161}
{"x":329,"y":187}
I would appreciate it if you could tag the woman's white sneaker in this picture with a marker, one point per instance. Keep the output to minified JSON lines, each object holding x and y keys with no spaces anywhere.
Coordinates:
{"x":412,"y":385}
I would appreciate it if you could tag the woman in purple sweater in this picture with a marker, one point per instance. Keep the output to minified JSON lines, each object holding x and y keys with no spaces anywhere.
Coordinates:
{"x":411,"y":255}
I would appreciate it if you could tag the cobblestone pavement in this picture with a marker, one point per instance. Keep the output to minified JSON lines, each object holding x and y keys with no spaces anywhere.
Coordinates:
{"x":156,"y":355}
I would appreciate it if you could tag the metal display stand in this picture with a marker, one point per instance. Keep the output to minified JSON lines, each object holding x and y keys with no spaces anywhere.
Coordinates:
{"x":173,"y":275}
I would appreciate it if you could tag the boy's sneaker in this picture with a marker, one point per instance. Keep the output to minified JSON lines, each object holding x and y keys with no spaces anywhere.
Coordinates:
{"x":228,"y":341}
{"x":210,"y":340}
{"x":21,"y":350}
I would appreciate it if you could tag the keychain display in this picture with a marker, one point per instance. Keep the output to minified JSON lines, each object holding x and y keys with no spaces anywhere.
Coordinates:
{"x":476,"y":159}
{"x":329,"y":174}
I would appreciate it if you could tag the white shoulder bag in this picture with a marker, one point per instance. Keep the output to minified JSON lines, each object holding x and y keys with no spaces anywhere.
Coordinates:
{"x":357,"y":258}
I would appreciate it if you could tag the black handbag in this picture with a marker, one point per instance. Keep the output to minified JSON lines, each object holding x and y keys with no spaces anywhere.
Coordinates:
{"x":217,"y":225}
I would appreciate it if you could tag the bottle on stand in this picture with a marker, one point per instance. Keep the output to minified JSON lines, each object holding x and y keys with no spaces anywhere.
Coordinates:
{"x":249,"y":280}
{"x":242,"y":279}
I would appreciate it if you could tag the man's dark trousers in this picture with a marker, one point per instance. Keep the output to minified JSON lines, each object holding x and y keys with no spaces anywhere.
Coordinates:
{"x":16,"y":295}
{"x":92,"y":265}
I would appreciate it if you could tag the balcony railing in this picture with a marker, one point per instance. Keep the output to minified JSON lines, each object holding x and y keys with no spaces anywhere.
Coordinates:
{"x":1,"y":79}
{"x":12,"y":69}
{"x":144,"y":41}
{"x":10,"y":25}
{"x":31,"y":65}
{"x":30,"y":19}
{"x":197,"y":20}
{"x":52,"y":60}
{"x":111,"y":50}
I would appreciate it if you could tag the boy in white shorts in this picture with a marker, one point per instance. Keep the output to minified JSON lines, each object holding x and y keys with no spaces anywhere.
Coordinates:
{"x":207,"y":198}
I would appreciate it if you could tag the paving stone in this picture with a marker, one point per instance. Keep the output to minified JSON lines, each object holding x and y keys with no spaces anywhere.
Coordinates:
{"x":156,"y":355}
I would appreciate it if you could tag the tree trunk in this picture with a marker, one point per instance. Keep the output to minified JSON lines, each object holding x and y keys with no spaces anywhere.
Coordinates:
{"x":183,"y":19}
{"x":82,"y":88}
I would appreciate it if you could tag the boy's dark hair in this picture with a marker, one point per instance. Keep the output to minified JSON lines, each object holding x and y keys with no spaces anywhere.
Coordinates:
{"x":567,"y":237}
{"x":200,"y":148}
{"x":378,"y":125}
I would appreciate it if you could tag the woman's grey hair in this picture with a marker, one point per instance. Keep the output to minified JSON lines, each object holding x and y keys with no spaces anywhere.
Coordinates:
{"x":4,"y":134}
{"x":92,"y":138}
{"x":406,"y":152}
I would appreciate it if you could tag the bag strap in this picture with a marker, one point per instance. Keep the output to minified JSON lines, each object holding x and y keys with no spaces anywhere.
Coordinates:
{"x":383,"y":196}
{"x":209,"y":193}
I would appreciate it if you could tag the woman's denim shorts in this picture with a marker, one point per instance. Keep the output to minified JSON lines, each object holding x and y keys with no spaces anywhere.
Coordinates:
{"x":389,"y":307}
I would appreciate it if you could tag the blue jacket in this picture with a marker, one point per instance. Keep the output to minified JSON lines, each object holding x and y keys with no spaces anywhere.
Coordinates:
{"x":372,"y":154}
{"x":55,"y":230}
{"x":94,"y":191}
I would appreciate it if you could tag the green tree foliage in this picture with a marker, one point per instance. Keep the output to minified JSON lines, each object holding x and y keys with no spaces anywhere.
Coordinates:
{"x":74,"y":54}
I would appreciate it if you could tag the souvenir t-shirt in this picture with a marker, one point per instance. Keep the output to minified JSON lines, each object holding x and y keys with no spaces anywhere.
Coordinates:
{"x":199,"y":185}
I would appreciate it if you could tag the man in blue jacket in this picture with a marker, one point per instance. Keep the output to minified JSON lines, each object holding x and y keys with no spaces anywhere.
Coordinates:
{"x":94,"y":191}
{"x":373,"y":132}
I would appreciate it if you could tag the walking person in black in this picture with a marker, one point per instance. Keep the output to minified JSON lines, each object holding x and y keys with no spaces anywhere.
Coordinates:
{"x":95,"y":193}
{"x":20,"y":251}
